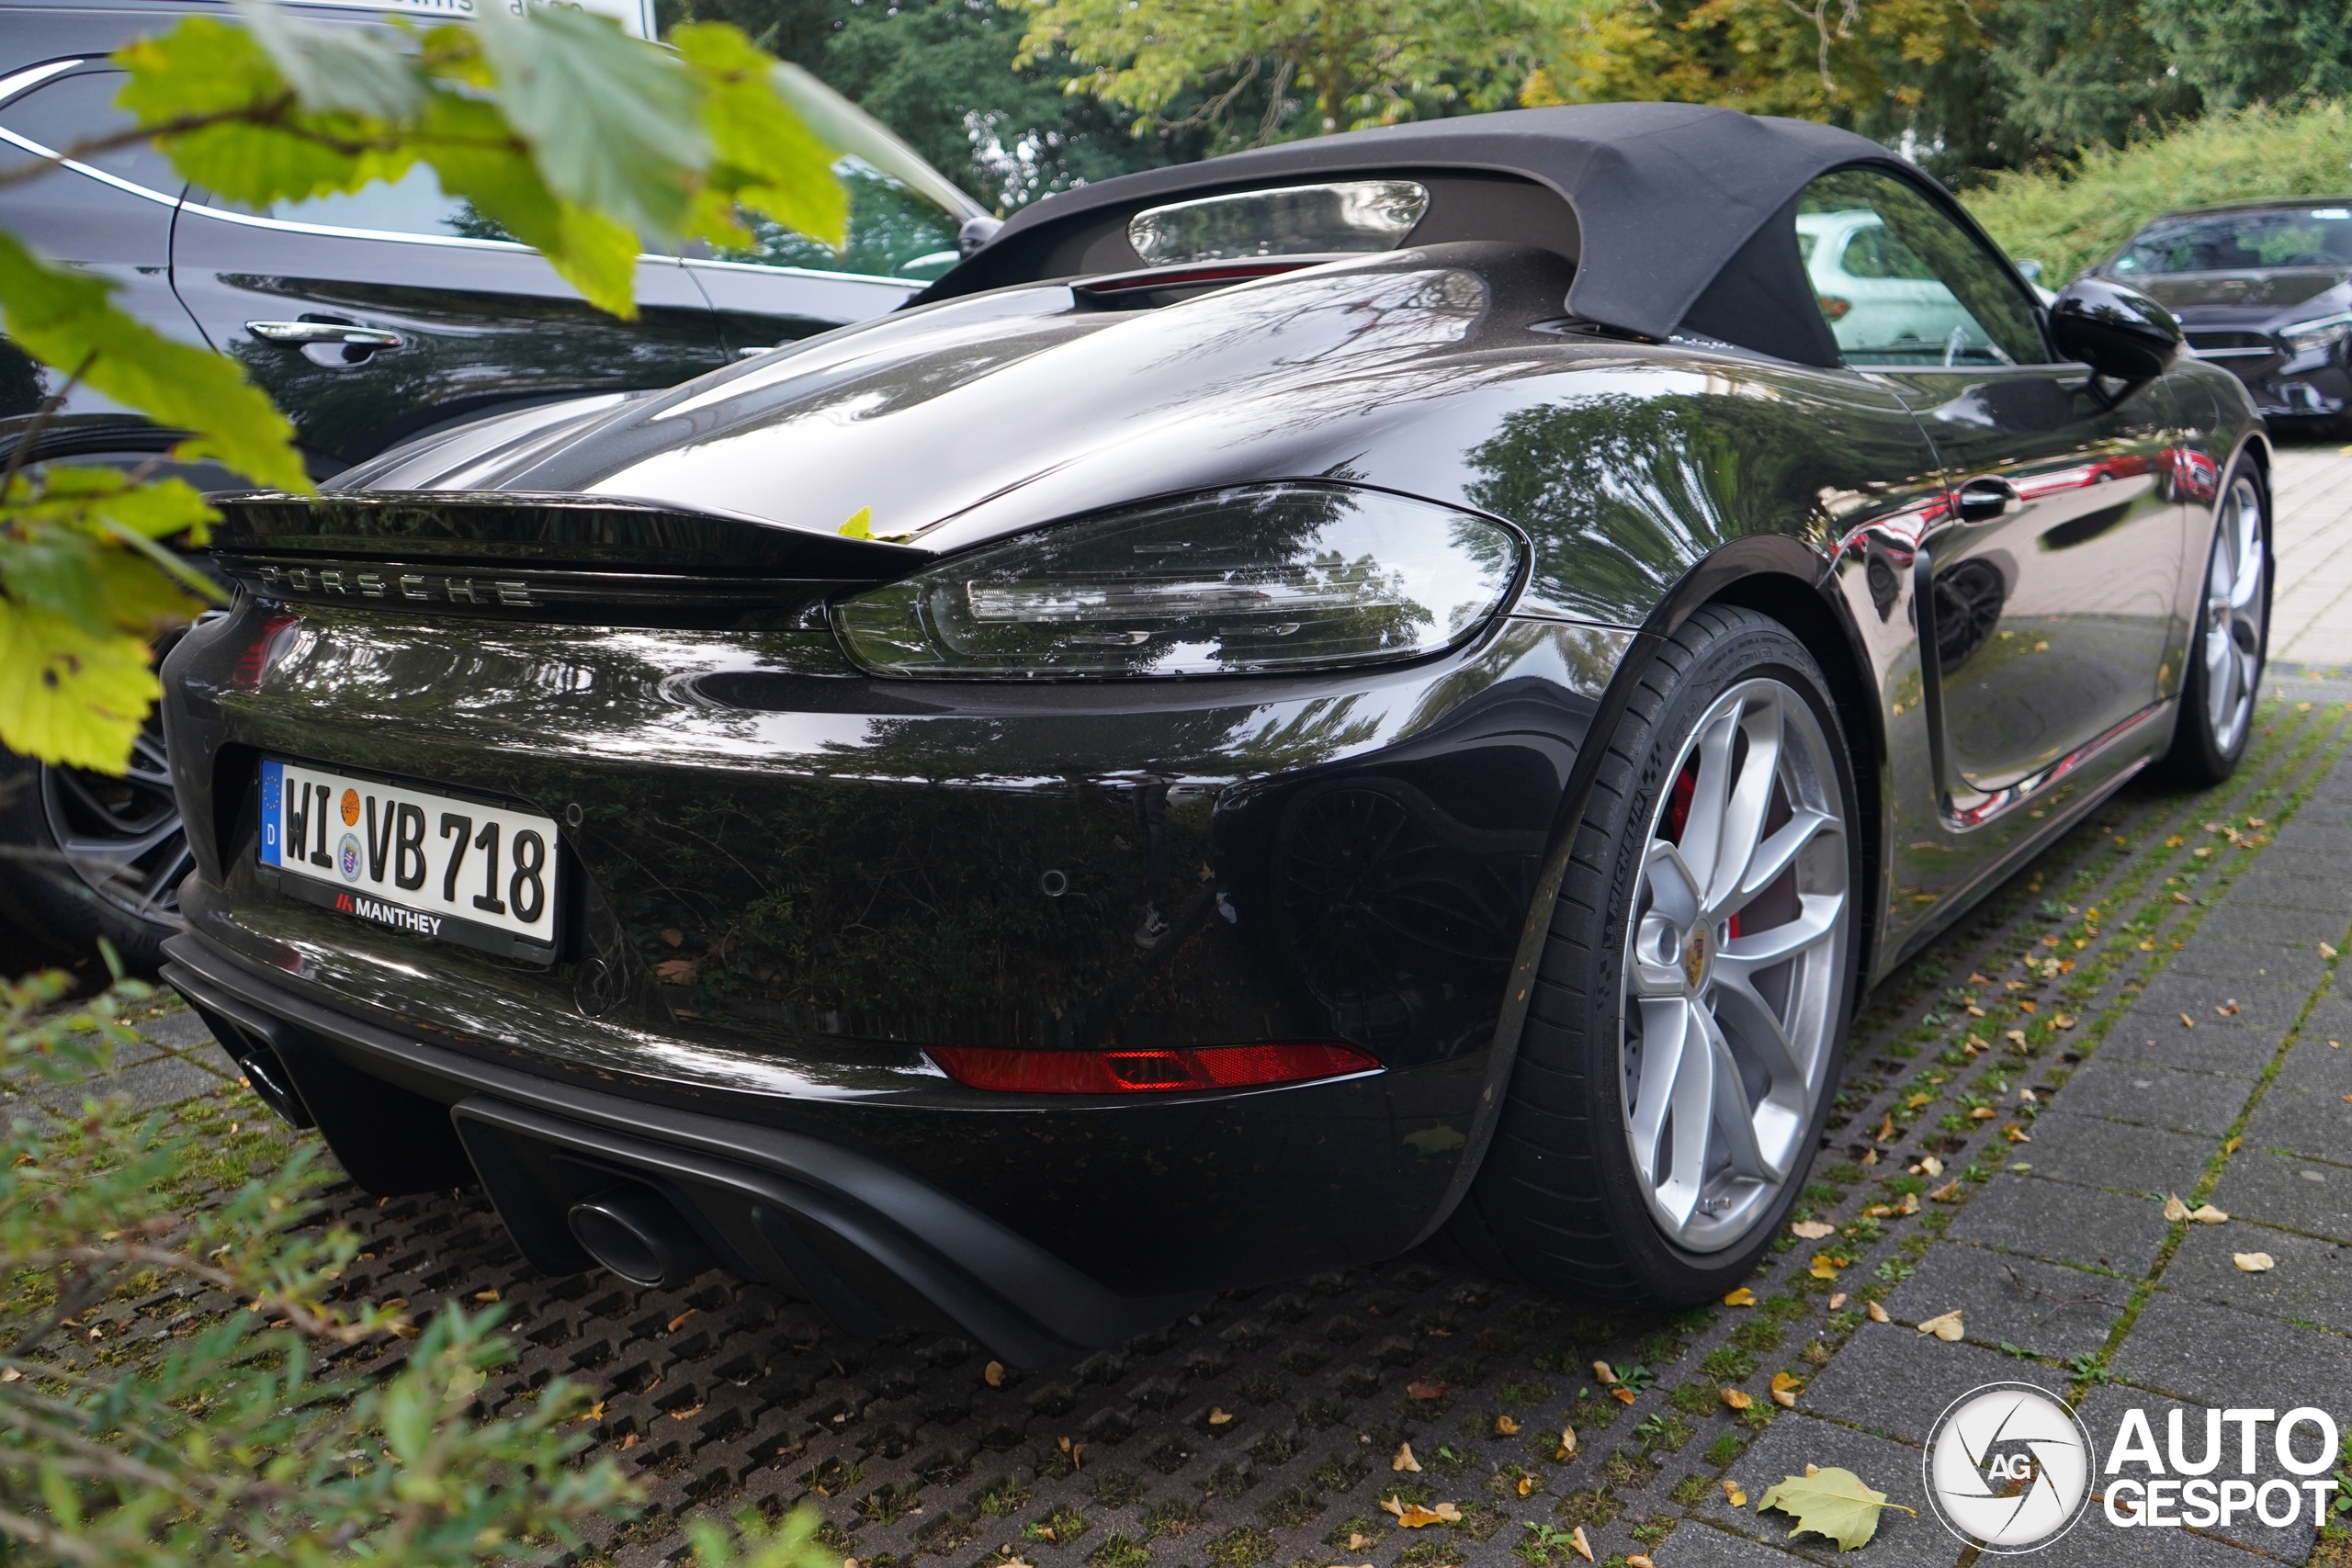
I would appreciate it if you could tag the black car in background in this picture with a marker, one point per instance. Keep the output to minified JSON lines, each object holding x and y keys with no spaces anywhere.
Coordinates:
{"x":2264,"y":290}
{"x":371,"y":319}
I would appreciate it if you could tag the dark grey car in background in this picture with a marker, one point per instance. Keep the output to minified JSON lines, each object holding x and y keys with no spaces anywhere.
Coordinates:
{"x":2264,"y":290}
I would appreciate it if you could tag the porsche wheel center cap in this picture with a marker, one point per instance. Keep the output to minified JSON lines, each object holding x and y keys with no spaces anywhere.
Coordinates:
{"x":1694,"y":959}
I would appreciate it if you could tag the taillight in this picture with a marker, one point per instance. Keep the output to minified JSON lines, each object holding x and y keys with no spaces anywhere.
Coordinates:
{"x":254,"y":662}
{"x":1834,"y":307}
{"x":1145,"y":1072}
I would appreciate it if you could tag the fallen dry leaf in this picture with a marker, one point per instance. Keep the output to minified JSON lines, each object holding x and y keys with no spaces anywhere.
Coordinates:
{"x":1785,"y":1390}
{"x":674,"y":938}
{"x":2063,"y":1021}
{"x":1742,"y":1297}
{"x":2254,"y":1262}
{"x":1732,"y":1494}
{"x":2206,"y":1215}
{"x":2175,"y":1210}
{"x":1413,"y":1517}
{"x":679,"y":1320}
{"x":1404,"y":1459}
{"x":1827,"y":1264}
{"x":1946,"y":1328}
{"x":629,"y":1441}
{"x":489,"y":1295}
{"x":2229,"y":1146}
{"x":1622,"y":1395}
{"x":2187,"y":1021}
{"x":1428,"y":1388}
{"x":677,"y":971}
{"x":1603,"y":1372}
{"x":1813,"y":1230}
{"x":1947,"y":1193}
{"x":1357,"y":1542}
{"x":1640,"y":1560}
{"x":1886,"y":1133}
{"x":993,"y":1374}
{"x":1830,"y":1501}
{"x":1878,"y":1313}
{"x":2326,"y":950}
{"x":1526,"y":1484}
{"x":1737,"y":1399}
{"x":1567,"y":1443}
{"x":1506,"y":1427}
{"x":682,"y":1415}
{"x":1931,"y":1166}
{"x":1584,"y":1547}
{"x":593,"y":1413}
{"x":1870,"y":1156}
{"x":1836,"y":1301}
{"x":1219,"y":1417}
{"x":1982,"y":1113}
{"x":2015,"y":1133}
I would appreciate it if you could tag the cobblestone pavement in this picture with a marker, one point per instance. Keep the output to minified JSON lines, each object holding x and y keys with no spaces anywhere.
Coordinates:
{"x":2148,"y":1010}
{"x":2311,"y":613}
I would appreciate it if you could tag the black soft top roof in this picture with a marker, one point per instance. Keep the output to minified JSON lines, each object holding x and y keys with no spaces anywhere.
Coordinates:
{"x":1666,"y":195}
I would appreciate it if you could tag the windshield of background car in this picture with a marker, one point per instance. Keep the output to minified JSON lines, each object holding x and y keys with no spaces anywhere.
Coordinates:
{"x":2240,"y":242}
{"x":1901,"y":283}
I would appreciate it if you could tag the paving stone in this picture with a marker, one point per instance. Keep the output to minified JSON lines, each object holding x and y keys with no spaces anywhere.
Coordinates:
{"x":2284,"y":889}
{"x":2265,"y":1007}
{"x":166,"y":1080}
{"x":2099,"y":1153}
{"x":2199,"y":1351}
{"x":2095,"y":1543}
{"x":2221,"y":1047}
{"x":1894,"y":1380}
{"x":2102,"y":1413}
{"x":2068,"y":1223}
{"x":2315,"y":1064}
{"x":2248,"y":972}
{"x":176,"y":1030}
{"x":1796,"y":1440}
{"x":2043,"y":1307}
{"x":1697,"y":1546}
{"x":2302,"y":1119}
{"x":2309,"y":1195}
{"x":2250,"y":922}
{"x":218,"y":1060}
{"x":2313,"y":1282}
{"x":2151,"y":1096}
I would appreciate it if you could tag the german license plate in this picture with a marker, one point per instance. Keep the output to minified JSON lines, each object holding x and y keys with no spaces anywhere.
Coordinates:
{"x":458,"y":871}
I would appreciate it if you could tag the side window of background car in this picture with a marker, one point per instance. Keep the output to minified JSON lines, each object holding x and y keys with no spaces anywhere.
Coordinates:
{"x":895,"y":230}
{"x":58,"y":113}
{"x":1900,"y":283}
{"x":413,"y":205}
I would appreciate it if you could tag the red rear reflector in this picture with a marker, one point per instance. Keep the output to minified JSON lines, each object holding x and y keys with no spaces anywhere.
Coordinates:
{"x":1145,"y":1072}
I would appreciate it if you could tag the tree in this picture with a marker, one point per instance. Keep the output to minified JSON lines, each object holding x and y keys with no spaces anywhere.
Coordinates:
{"x":2240,"y":52}
{"x":1910,"y":73}
{"x":1364,"y":63}
{"x":572,"y":137}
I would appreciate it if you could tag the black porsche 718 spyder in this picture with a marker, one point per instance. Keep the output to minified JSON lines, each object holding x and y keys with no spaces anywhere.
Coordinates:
{"x":1389,"y":686}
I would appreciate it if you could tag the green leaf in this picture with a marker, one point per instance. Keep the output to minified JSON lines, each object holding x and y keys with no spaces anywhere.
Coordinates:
{"x":64,"y":320}
{"x":614,"y":123}
{"x":772,"y":158}
{"x":1831,"y":1502}
{"x":334,"y":70}
{"x":71,"y":698}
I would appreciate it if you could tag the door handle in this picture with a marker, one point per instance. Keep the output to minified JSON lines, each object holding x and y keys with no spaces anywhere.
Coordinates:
{"x":1982,"y":500}
{"x":299,"y":332}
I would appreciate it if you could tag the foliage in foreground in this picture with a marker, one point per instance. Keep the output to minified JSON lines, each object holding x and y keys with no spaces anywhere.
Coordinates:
{"x":2080,"y":213}
{"x":233,"y":1437}
{"x":577,"y":141}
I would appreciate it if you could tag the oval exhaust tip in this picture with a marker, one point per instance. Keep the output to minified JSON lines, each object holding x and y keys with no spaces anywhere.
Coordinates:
{"x":638,"y":1234}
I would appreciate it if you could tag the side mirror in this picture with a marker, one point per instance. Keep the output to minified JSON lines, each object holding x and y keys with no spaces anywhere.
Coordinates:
{"x":2115,"y":330}
{"x":2030,"y":270}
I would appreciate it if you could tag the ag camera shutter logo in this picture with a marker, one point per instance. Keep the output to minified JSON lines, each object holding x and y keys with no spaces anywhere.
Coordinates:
{"x":2008,"y":1468}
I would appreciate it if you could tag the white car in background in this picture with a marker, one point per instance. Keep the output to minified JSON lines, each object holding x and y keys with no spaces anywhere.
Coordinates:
{"x":1882,"y":299}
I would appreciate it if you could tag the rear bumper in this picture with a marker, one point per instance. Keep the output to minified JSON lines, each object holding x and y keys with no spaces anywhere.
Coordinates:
{"x":871,"y":1247}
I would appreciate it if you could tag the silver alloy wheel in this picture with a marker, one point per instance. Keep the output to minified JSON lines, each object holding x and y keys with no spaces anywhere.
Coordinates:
{"x":2235,"y":610}
{"x":1735,"y":954}
{"x":122,"y":837}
